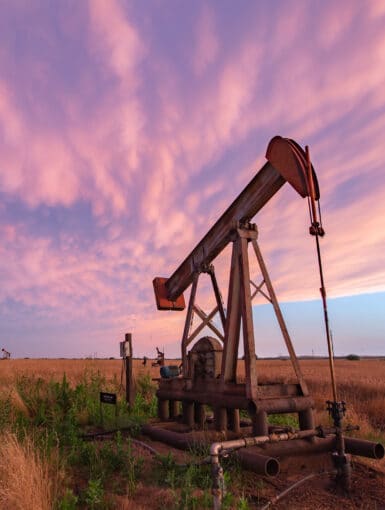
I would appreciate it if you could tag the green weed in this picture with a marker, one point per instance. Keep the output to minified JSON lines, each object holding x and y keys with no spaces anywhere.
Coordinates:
{"x":69,"y":501}
{"x":285,"y":420}
{"x":94,"y":494}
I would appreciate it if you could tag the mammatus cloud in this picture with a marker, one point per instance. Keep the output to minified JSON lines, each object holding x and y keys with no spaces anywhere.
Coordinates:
{"x":155,"y":143}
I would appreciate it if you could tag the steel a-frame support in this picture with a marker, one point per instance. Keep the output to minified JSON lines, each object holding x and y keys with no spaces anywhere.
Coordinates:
{"x":206,"y":319}
{"x":239,"y":311}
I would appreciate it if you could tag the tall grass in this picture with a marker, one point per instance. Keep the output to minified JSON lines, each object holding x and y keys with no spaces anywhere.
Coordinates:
{"x":41,"y":447}
{"x":45,"y":464}
{"x":28,"y":480}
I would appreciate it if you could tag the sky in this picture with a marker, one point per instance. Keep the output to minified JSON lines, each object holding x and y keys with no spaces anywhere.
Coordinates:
{"x":127,"y":128}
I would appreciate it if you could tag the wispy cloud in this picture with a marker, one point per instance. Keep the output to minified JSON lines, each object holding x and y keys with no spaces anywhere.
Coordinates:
{"x":125,"y":132}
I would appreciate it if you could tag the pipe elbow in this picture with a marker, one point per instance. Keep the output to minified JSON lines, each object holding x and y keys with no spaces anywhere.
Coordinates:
{"x":215,"y":448}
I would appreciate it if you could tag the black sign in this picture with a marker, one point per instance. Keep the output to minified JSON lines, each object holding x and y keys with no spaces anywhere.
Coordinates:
{"x":108,"y":398}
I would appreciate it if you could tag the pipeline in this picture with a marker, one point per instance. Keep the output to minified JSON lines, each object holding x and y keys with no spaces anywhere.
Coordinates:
{"x":263,"y":463}
{"x":281,"y":444}
{"x":364,"y":448}
{"x":220,"y":448}
{"x":153,"y":451}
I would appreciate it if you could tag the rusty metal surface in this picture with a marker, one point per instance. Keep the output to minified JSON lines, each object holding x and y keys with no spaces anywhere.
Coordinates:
{"x":280,"y":319}
{"x":364,"y":448}
{"x":233,"y":321}
{"x":260,"y":464}
{"x":247,"y":321}
{"x":270,"y":405}
{"x":288,"y":160}
{"x":162,"y":301}
{"x":215,"y":386}
{"x":256,"y":194}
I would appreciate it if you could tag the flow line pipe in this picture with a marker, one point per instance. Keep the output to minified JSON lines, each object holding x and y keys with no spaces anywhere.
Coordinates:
{"x":219,"y":448}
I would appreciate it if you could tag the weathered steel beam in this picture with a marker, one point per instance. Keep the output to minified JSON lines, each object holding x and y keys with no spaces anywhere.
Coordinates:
{"x":286,"y":162}
{"x":271,"y":406}
{"x":256,"y":194}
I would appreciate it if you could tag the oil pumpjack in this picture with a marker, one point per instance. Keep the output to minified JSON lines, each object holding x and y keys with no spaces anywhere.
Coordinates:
{"x":208,"y":377}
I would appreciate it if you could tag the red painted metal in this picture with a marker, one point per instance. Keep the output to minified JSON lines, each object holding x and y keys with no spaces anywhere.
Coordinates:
{"x":162,"y":301}
{"x":290,"y":160}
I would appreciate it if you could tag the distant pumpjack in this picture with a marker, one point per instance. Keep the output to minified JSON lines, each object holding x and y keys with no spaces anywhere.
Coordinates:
{"x":6,"y":354}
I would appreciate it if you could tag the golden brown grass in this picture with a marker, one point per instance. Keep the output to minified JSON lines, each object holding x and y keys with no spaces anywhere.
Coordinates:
{"x":27,"y":480}
{"x":360,"y":383}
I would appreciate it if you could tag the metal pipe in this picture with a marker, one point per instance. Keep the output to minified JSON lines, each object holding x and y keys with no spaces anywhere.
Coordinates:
{"x":167,"y":436}
{"x":188,"y":412}
{"x":261,"y":464}
{"x":276,"y":405}
{"x":217,"y":449}
{"x":173,"y":409}
{"x":306,"y":419}
{"x":163,"y":409}
{"x":301,"y":447}
{"x":259,"y":423}
{"x":220,"y":418}
{"x":364,"y":448}
{"x":234,"y":421}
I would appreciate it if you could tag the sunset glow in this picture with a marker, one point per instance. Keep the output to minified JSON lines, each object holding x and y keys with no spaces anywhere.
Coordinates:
{"x":127,"y":128}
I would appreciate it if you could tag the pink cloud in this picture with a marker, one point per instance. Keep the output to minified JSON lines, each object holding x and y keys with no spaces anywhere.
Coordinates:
{"x":115,"y":39}
{"x":207,"y":44}
{"x":168,"y":144}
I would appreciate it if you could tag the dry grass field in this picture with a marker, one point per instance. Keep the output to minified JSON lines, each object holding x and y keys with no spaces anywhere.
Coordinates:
{"x":34,"y":478}
{"x":360,"y":383}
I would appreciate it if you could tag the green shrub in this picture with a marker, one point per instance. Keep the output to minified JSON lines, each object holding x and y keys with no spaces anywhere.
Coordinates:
{"x":353,"y":357}
{"x":69,"y":501}
{"x":94,"y":494}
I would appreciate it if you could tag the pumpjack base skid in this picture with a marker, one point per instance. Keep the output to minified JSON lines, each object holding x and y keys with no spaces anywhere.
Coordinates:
{"x":226,"y":401}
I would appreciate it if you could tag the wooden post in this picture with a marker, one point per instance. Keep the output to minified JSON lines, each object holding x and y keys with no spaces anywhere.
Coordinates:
{"x":128,"y":365}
